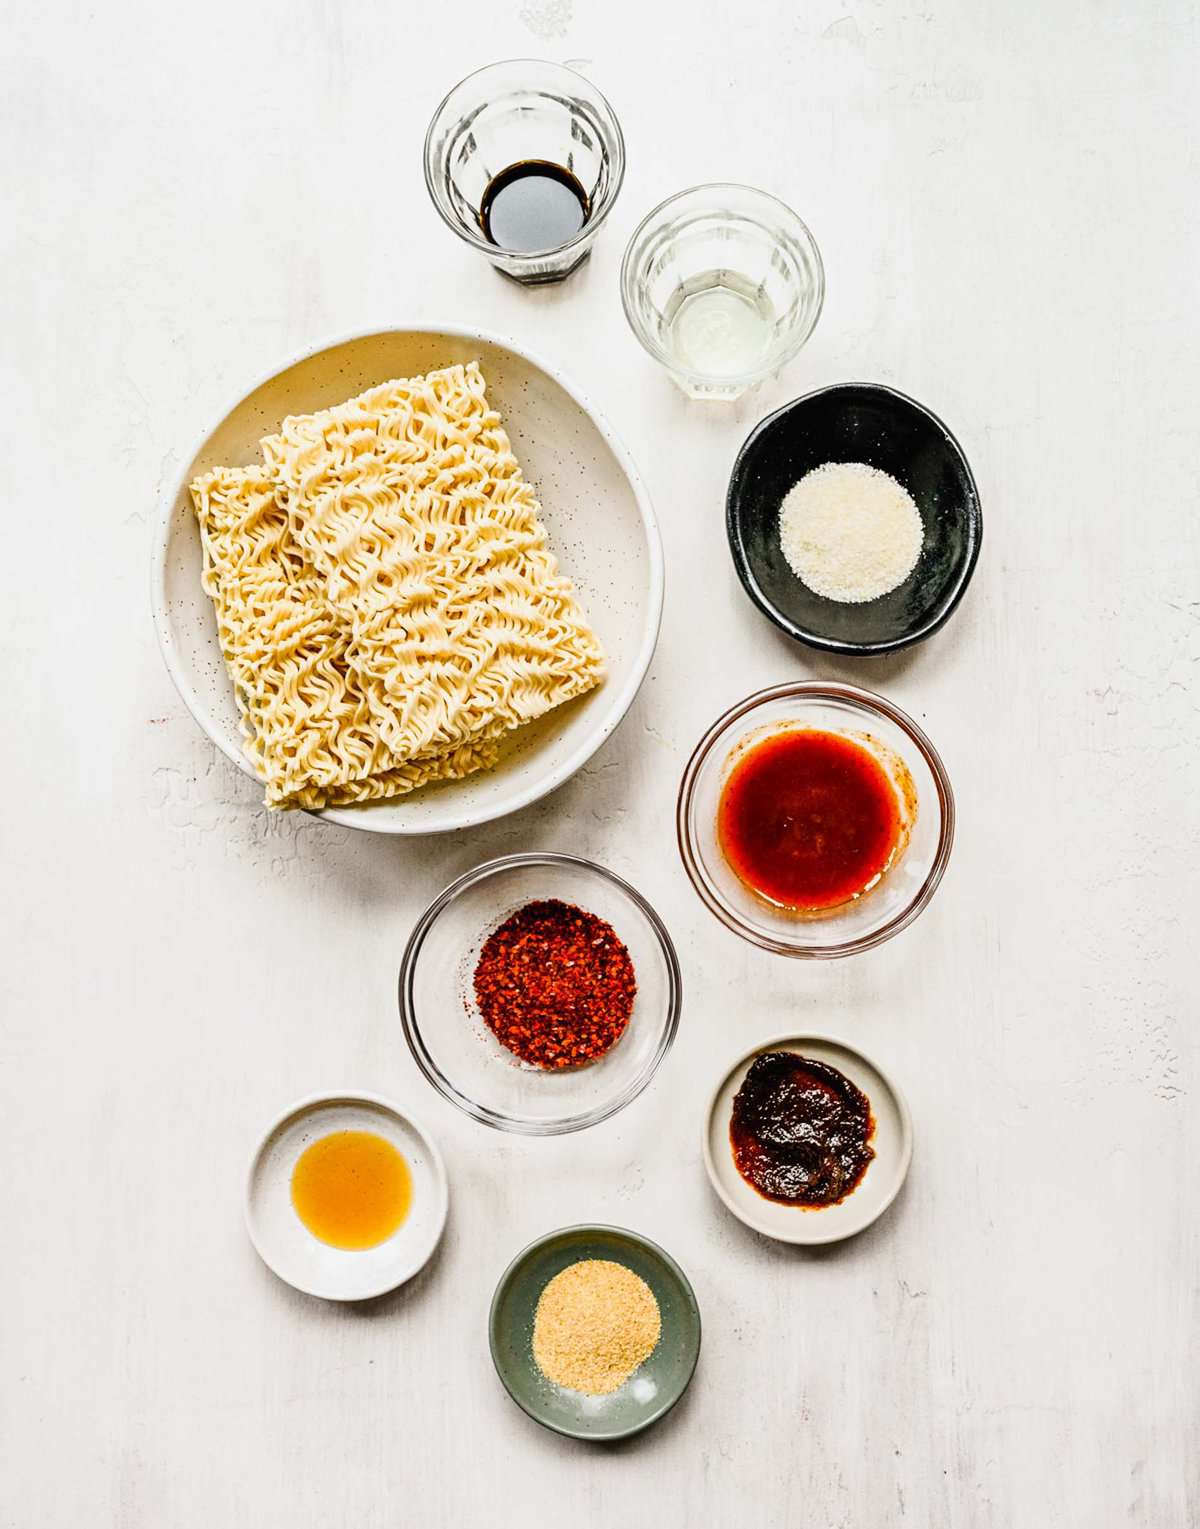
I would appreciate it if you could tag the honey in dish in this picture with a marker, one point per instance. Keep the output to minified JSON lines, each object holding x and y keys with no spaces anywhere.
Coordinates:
{"x":351,"y":1189}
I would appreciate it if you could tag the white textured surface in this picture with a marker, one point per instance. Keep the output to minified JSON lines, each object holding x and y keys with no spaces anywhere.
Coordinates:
{"x":1005,"y":202}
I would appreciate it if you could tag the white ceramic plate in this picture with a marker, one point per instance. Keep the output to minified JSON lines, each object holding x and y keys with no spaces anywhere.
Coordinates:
{"x":286,"y":1245}
{"x":880,"y":1184}
{"x":597,"y":513}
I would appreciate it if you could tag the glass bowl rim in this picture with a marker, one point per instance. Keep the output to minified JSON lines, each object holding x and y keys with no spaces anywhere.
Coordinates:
{"x":777,"y":359}
{"x":497,"y":1119}
{"x":868,"y":701}
{"x":589,"y":229}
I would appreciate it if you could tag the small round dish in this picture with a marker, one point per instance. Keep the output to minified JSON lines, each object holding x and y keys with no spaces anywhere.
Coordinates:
{"x":904,"y":890}
{"x":880,"y":1184}
{"x":286,"y":1245}
{"x":454,"y":1048}
{"x":855,"y":422}
{"x":655,"y":1386}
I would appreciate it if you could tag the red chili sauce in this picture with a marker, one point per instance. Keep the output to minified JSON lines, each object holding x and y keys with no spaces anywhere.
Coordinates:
{"x":808,"y":819}
{"x":800,"y":1130}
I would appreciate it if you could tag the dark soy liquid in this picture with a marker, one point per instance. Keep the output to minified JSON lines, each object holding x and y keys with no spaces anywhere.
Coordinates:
{"x":534,"y":205}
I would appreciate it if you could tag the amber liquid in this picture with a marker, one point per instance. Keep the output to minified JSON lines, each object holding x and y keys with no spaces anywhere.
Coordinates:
{"x":531,"y":206}
{"x":351,"y":1189}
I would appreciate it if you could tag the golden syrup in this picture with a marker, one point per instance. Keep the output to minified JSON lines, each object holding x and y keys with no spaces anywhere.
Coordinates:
{"x":352,"y":1189}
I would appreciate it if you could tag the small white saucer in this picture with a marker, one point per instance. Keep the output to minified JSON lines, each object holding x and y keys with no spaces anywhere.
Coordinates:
{"x":286,"y":1245}
{"x":880,"y":1184}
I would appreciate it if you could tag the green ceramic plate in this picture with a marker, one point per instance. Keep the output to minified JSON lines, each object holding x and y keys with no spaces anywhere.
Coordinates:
{"x":651,"y":1391}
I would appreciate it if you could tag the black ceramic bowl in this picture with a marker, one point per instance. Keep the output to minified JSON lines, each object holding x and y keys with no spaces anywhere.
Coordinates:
{"x":855,"y":422}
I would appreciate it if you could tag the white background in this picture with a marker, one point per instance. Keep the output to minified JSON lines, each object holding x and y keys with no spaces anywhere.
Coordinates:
{"x":1005,"y":198}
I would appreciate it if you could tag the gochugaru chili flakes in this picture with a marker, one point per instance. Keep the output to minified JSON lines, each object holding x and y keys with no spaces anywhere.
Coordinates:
{"x":555,"y":985}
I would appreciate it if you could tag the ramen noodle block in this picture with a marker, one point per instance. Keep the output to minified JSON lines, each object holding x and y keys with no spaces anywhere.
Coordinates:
{"x":385,"y":599}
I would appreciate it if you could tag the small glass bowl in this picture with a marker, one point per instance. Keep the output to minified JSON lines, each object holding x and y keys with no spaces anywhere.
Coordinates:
{"x":460,"y":1056}
{"x":905,"y":888}
{"x":753,"y":250}
{"x":504,"y":114}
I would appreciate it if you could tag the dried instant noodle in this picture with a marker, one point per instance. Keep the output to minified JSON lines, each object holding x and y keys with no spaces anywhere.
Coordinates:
{"x":386,"y":602}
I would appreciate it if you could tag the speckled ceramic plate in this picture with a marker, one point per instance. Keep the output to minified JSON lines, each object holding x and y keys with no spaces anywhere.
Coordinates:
{"x":654,"y":1387}
{"x":879,"y":1185}
{"x":286,"y":1245}
{"x":855,"y":422}
{"x":597,"y":514}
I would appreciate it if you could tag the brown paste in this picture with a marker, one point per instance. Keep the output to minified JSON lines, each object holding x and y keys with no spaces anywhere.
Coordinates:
{"x":800,"y":1130}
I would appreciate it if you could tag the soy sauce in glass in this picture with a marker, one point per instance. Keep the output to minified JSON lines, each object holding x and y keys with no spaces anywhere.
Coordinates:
{"x":533,"y":205}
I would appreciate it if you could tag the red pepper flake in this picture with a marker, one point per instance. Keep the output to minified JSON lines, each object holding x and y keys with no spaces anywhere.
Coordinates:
{"x":555,"y":985}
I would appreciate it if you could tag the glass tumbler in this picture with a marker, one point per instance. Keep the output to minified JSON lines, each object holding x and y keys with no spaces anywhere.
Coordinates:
{"x":507,"y":114}
{"x":722,"y":284}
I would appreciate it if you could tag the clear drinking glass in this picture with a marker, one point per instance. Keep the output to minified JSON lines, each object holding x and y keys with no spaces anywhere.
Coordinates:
{"x":722,"y":284}
{"x":508,"y":113}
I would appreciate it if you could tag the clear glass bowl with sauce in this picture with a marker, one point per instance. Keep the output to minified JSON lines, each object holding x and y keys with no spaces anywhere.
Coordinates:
{"x":448,"y":1037}
{"x":926,"y":820}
